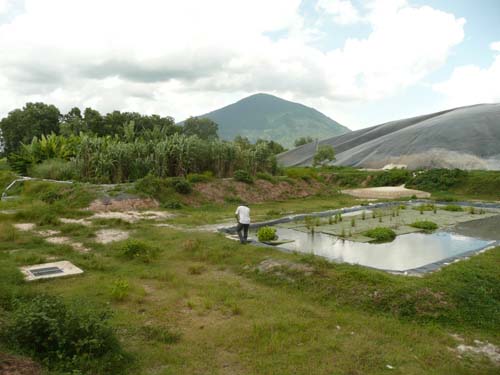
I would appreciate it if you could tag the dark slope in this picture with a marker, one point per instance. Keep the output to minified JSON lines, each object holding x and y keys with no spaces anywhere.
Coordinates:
{"x":466,"y":137}
{"x":269,"y":117}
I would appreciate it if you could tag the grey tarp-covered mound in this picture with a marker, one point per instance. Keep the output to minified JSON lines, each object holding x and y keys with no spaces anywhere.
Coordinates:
{"x":465,"y":137}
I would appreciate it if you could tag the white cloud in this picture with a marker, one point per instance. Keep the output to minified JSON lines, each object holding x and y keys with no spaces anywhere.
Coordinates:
{"x":4,"y":6}
{"x":470,"y":84}
{"x":495,"y":46}
{"x":342,"y":11}
{"x":189,"y":57}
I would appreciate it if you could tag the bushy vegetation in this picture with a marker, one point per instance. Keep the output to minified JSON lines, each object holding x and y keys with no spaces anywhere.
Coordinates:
{"x":324,"y":155}
{"x":266,"y":234}
{"x":243,"y":176}
{"x":393,"y":177}
{"x":122,"y":147}
{"x":64,"y":337}
{"x":134,"y":249}
{"x":381,"y":234}
{"x":54,"y":169}
{"x":437,"y":179}
{"x":302,"y":141}
{"x":425,"y":225}
{"x":195,"y":178}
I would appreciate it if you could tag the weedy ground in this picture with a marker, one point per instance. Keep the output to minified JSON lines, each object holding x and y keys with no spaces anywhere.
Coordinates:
{"x":198,"y":304}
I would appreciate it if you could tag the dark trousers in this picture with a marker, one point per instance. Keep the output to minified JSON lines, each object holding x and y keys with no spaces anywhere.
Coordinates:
{"x":244,"y":228}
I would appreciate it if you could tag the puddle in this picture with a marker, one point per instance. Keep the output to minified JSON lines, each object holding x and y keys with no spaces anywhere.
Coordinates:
{"x":406,"y":252}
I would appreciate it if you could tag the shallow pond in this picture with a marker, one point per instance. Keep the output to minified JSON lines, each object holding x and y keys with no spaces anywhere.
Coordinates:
{"x":406,"y":252}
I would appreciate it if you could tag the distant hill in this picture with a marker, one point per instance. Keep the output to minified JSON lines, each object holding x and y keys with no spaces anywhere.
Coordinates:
{"x":465,"y":137}
{"x":269,"y":117}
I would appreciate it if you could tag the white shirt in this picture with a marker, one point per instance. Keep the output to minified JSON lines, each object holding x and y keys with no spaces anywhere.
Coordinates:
{"x":243,"y":213}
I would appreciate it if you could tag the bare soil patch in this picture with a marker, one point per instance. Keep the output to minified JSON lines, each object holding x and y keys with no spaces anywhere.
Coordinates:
{"x":48,"y":233}
{"x":106,"y":236}
{"x":481,"y":348}
{"x":276,"y":265}
{"x":13,"y":365}
{"x":25,"y":227}
{"x":83,"y":222}
{"x":386,"y":192}
{"x":77,"y":246}
{"x":132,"y":216}
{"x":259,"y":191}
{"x":116,"y":204}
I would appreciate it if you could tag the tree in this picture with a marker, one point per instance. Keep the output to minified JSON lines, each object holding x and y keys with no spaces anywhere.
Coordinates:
{"x":275,"y":147}
{"x":34,"y":120}
{"x":324,"y":155}
{"x":303,"y":141}
{"x":93,"y":121}
{"x":203,"y":127}
{"x":72,"y":123}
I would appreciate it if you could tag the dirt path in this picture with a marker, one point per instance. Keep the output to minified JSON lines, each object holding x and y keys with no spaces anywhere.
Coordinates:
{"x":386,"y":192}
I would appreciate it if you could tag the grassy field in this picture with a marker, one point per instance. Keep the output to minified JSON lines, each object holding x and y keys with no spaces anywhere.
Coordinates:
{"x":198,"y":304}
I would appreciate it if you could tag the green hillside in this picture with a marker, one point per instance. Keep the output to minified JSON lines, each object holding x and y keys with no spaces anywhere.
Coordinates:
{"x":269,"y":117}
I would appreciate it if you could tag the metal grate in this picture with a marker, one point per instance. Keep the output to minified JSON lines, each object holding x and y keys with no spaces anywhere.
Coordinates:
{"x":46,"y":271}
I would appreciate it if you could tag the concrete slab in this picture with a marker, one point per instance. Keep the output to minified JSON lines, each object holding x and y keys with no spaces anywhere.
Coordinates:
{"x":50,"y":270}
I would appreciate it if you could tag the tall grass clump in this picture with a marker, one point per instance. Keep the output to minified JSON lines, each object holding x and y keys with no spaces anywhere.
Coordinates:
{"x":134,"y":249}
{"x":54,"y":169}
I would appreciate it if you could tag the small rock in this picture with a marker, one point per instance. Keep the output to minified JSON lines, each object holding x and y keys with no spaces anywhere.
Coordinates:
{"x":389,"y":367}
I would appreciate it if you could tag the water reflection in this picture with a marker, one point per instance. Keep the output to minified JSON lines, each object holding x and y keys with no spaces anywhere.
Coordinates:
{"x":405,"y":252}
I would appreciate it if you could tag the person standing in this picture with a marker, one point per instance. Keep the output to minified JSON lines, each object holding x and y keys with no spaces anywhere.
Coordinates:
{"x":243,"y":217}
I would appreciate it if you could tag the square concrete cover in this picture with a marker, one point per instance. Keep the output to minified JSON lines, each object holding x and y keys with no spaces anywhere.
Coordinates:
{"x":49,"y":270}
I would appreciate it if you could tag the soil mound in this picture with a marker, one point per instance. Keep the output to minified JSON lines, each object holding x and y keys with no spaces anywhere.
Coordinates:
{"x":119,"y":204}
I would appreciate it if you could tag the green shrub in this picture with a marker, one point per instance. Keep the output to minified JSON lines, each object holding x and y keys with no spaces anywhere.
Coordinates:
{"x":266,"y":177}
{"x":53,"y":169}
{"x":424,"y":207}
{"x":133,"y":249}
{"x":120,"y":289}
{"x":381,"y":234}
{"x":152,"y":186}
{"x":180,"y":185}
{"x":195,"y":178}
{"x":301,"y":173}
{"x":243,"y":176}
{"x":64,"y":337}
{"x":266,"y":234}
{"x":453,"y":208}
{"x":394,"y":177}
{"x":425,"y":225}
{"x":437,"y":179}
{"x":173,"y":204}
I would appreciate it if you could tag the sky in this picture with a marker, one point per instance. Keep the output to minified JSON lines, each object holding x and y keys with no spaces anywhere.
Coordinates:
{"x":360,"y":62}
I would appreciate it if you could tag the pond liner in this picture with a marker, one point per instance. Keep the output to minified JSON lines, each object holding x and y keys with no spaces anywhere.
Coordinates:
{"x":418,"y":272}
{"x":436,"y":266}
{"x":287,"y":219}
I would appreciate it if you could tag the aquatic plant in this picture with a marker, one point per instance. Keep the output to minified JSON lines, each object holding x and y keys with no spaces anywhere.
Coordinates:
{"x":425,"y":224}
{"x":381,"y":234}
{"x":266,"y":234}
